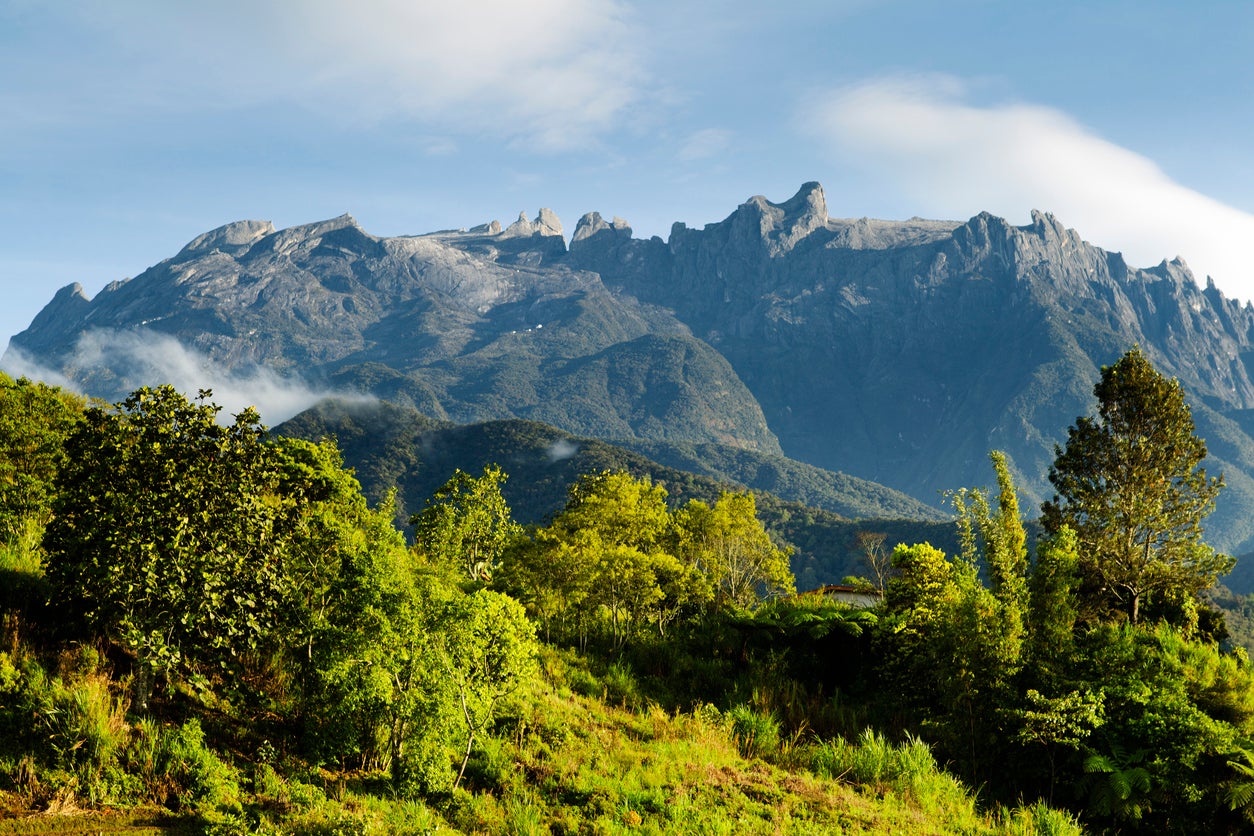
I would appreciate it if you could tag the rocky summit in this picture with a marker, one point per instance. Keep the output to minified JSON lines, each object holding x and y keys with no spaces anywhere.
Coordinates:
{"x":895,"y":351}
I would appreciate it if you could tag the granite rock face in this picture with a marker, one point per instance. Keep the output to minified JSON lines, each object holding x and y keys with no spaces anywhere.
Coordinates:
{"x":903,"y":352}
{"x":466,"y":325}
{"x":900,"y":352}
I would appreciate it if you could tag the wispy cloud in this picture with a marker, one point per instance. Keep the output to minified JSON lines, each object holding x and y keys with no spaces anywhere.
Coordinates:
{"x":146,"y":358}
{"x":562,"y":449}
{"x":951,"y":158}
{"x":548,"y":74}
{"x":705,"y":144}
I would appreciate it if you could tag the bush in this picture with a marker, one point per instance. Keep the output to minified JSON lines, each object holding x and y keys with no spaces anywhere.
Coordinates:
{"x":876,"y":763}
{"x":756,"y":732}
{"x":69,"y":732}
{"x":620,"y":686}
{"x":179,"y":770}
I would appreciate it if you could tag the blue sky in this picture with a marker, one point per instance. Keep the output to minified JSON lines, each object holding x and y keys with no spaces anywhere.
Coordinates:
{"x":127,"y":128}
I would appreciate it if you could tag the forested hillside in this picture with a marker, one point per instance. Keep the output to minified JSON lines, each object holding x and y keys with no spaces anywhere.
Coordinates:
{"x":393,"y":447}
{"x":209,"y":628}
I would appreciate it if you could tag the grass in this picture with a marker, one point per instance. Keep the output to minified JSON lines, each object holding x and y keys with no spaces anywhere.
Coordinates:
{"x":578,"y":753}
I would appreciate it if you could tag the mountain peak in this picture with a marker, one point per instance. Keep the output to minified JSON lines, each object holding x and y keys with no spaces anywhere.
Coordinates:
{"x":233,"y":238}
{"x":546,"y":224}
{"x":592,"y":223}
{"x":782,"y":225}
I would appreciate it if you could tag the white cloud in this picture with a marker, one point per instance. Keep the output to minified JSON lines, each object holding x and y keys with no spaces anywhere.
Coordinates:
{"x":562,"y":449}
{"x":549,"y":74}
{"x":147,"y":358}
{"x":953,"y":159}
{"x":705,"y":144}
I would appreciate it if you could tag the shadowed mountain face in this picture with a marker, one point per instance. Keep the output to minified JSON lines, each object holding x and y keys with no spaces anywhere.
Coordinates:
{"x":904,"y":352}
{"x":900,"y":352}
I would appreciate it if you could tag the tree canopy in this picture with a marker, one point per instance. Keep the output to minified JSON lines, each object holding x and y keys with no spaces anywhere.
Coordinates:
{"x":1131,"y":485}
{"x":166,"y":532}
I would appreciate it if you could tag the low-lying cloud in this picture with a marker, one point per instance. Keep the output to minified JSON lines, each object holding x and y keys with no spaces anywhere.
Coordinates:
{"x":952,"y":159}
{"x":562,"y":449}
{"x":148,"y":358}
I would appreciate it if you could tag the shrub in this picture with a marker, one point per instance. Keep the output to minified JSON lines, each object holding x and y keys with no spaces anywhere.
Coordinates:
{"x":756,"y":733}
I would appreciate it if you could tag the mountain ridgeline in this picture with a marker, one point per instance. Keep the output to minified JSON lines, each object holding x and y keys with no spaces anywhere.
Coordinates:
{"x":898,"y":352}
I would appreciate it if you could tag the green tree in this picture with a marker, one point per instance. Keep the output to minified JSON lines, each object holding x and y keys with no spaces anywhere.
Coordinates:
{"x":467,"y":524}
{"x":1052,"y":611}
{"x":35,"y":420}
{"x":167,"y":534}
{"x":1056,"y":723}
{"x":614,"y":528}
{"x":728,"y":544}
{"x":1176,"y":711}
{"x":356,"y":626}
{"x":488,"y":650}
{"x":553,"y":577}
{"x":1131,"y":486}
{"x":950,"y":647}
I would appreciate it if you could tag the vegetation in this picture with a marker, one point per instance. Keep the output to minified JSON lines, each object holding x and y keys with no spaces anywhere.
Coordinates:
{"x":392,"y":448}
{"x":217,"y":632}
{"x":1131,"y":486}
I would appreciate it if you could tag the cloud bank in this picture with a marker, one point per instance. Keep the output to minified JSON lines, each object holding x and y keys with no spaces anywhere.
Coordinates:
{"x":147,"y":358}
{"x":953,"y":159}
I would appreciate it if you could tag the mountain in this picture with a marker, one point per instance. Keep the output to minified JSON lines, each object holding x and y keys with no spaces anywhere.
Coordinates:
{"x":466,"y":326}
{"x":899,"y":352}
{"x":904,"y":351}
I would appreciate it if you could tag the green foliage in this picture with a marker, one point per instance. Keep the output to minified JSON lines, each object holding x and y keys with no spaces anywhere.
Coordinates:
{"x":728,"y":544}
{"x":34,"y":421}
{"x":617,"y":550}
{"x":487,"y":651}
{"x":1053,"y":609}
{"x":166,"y":537}
{"x":756,"y":732}
{"x":377,"y":676}
{"x":1131,"y":486}
{"x":467,"y":524}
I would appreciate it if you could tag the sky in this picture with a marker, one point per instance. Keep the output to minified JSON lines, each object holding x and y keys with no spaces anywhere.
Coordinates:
{"x":129,"y":127}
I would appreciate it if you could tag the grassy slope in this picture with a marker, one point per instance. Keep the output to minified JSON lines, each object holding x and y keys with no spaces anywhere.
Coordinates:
{"x":577,"y":753}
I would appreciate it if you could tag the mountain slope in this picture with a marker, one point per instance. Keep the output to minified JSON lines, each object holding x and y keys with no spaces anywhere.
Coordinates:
{"x":395,"y":446}
{"x":903,"y":352}
{"x":391,"y":446}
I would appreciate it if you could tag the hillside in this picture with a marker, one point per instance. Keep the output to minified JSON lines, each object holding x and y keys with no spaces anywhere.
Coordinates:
{"x":819,"y":512}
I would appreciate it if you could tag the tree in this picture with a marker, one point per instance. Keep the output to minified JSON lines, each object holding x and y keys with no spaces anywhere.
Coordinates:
{"x":729,"y":545}
{"x":1052,"y":610}
{"x":168,"y":534}
{"x":874,"y":556}
{"x":1131,"y":486}
{"x":467,"y":524}
{"x":487,"y":649}
{"x":34,"y":422}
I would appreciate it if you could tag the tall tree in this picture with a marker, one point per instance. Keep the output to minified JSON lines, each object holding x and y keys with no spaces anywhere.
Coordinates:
{"x":467,"y":524}
{"x":728,"y":544}
{"x":167,"y":534}
{"x":1131,"y":486}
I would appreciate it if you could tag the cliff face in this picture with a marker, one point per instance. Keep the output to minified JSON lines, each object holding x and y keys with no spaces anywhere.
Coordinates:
{"x":904,"y":352}
{"x":895,"y":351}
